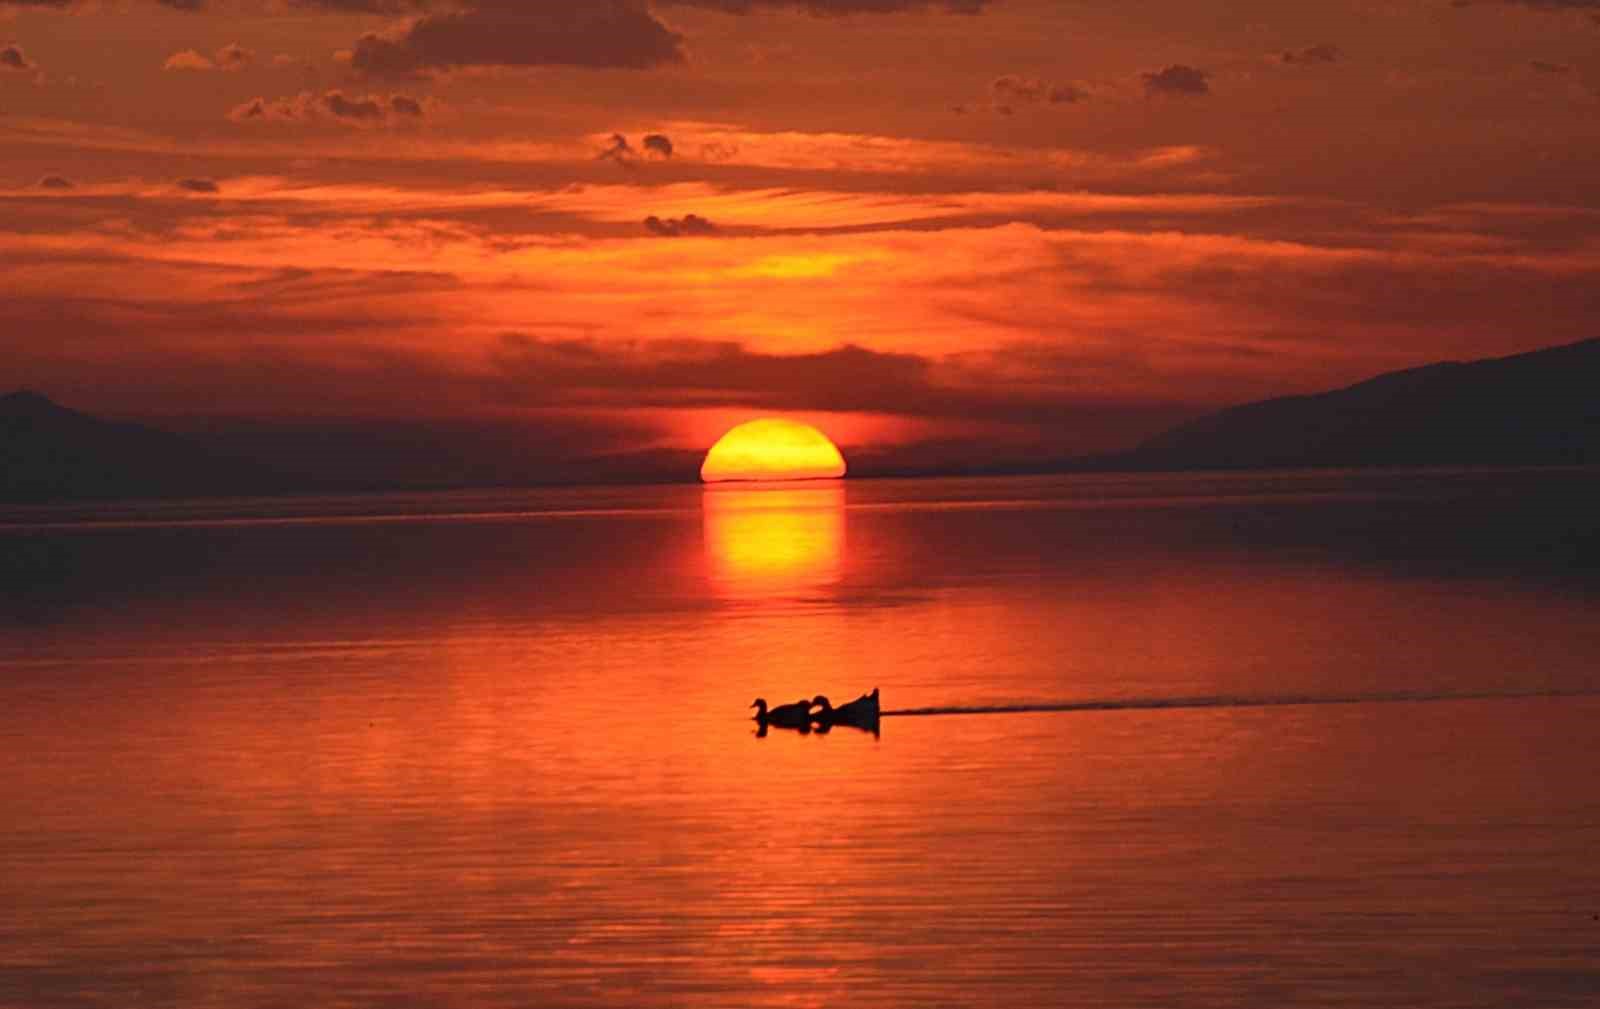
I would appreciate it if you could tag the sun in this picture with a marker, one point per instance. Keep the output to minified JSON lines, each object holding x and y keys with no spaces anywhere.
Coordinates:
{"x":772,"y":449}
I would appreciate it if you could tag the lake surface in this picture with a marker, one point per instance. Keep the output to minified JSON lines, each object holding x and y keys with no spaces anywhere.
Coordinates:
{"x":494,"y":749}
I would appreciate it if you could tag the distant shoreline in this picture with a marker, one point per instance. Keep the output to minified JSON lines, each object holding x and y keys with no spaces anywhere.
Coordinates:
{"x":505,"y":503}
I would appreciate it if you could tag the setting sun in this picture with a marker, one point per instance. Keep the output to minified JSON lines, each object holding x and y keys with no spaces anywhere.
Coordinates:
{"x":772,"y":449}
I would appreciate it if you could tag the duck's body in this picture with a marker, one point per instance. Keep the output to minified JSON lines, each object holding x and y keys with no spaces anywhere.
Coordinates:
{"x":861,"y":712}
{"x":785,"y":716}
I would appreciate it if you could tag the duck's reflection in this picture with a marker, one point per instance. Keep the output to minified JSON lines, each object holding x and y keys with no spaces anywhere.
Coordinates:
{"x":774,"y":540}
{"x":819,"y":728}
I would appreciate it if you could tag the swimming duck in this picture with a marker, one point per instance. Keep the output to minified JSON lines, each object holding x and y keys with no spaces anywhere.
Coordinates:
{"x":788,"y":716}
{"x":861,"y":712}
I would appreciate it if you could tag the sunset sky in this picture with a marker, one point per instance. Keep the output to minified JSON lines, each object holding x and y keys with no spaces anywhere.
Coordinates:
{"x":1028,"y":225}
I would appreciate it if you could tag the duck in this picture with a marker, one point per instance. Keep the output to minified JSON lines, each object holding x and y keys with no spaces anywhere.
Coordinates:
{"x":787,"y":716}
{"x":861,"y":712}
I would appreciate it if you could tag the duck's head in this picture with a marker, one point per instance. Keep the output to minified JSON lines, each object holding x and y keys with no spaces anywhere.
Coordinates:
{"x":760,"y":704}
{"x":821,"y":701}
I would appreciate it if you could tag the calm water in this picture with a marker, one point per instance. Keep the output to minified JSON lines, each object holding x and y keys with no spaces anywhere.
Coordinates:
{"x":494,"y":749}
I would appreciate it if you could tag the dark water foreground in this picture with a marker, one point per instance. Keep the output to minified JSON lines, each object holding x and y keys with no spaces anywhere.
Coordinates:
{"x":1315,"y":739}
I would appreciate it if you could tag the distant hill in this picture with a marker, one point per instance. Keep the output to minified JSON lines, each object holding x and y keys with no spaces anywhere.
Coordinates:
{"x":48,"y":452}
{"x":51,"y":453}
{"x":1539,"y":408}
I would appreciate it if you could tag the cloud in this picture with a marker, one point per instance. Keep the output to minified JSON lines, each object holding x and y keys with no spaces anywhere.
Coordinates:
{"x":819,"y":8}
{"x":1547,"y":67}
{"x":825,"y":8}
{"x":688,"y":372}
{"x":198,"y":186}
{"x":712,"y":372}
{"x":234,"y":56}
{"x":675,"y":227}
{"x":1589,"y":7}
{"x":848,"y":378}
{"x":366,"y":6}
{"x":359,"y":109}
{"x":599,"y":34}
{"x":13,"y":59}
{"x":1177,"y":79}
{"x":182,"y":5}
{"x":655,"y":146}
{"x":619,"y":150}
{"x":1010,"y":91}
{"x":332,"y":107}
{"x":349,"y":6}
{"x":807,"y":151}
{"x":55,"y":182}
{"x":230,"y":57}
{"x":188,"y":59}
{"x":1592,"y":6}
{"x":1322,"y":53}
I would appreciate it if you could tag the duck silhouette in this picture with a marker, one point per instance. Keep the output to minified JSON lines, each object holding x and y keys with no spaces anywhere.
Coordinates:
{"x":861,"y":712}
{"x":786,"y":716}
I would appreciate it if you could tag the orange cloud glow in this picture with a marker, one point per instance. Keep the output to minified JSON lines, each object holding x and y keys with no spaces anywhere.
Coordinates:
{"x":663,"y":233}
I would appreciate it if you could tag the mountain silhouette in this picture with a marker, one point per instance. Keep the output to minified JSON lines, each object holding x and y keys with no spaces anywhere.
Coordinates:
{"x":1533,"y":409}
{"x":53,"y":453}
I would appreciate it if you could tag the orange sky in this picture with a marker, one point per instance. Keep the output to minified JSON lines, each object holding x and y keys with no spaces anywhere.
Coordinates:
{"x":1049,"y":225}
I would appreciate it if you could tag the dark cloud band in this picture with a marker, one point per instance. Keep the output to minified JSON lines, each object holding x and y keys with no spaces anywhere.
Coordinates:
{"x":603,"y":34}
{"x":1177,"y":79}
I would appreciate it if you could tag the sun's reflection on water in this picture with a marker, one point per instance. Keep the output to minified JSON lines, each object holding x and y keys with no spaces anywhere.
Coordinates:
{"x":774,"y":540}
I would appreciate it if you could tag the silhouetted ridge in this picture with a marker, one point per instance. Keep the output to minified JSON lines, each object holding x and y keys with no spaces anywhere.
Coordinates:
{"x":25,"y":403}
{"x":50,"y":452}
{"x":1539,"y":408}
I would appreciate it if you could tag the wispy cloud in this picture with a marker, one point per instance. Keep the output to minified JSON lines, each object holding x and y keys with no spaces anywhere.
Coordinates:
{"x":230,"y":57}
{"x":368,"y":110}
{"x":1178,"y":79}
{"x":14,"y":60}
